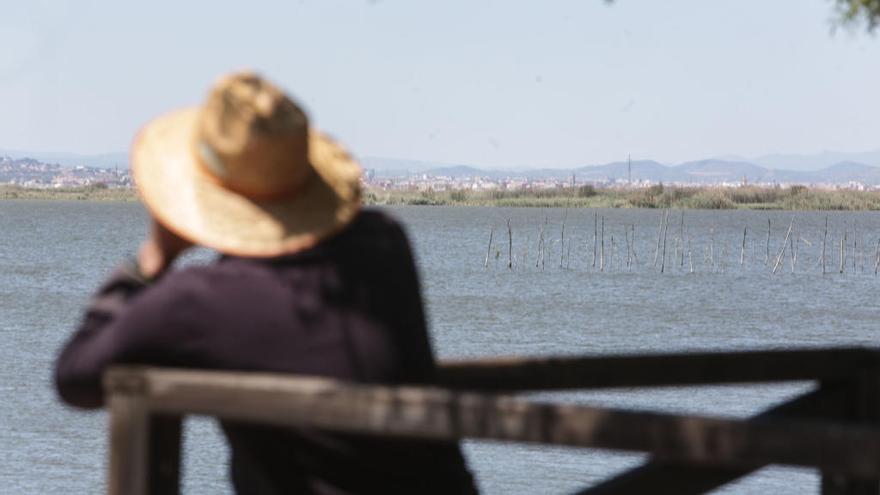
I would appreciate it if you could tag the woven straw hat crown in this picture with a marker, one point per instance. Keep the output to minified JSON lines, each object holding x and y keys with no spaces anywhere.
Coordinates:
{"x":244,"y":173}
{"x":252,"y":138}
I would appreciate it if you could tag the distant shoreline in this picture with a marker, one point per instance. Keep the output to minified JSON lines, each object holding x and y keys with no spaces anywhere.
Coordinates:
{"x":711,"y":198}
{"x":658,"y":196}
{"x":87,"y":193}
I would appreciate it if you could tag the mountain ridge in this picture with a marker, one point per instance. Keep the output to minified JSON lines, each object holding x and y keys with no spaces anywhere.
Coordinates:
{"x":861,"y":167}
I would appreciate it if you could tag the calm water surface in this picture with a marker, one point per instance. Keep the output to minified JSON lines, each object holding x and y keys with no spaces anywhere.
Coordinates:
{"x":53,"y":254}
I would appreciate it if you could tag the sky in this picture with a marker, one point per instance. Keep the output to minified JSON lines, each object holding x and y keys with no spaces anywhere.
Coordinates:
{"x":493,"y":83}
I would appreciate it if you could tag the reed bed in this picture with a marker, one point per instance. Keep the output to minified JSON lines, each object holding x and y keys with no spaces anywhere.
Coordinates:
{"x":89,"y":193}
{"x":659,"y":197}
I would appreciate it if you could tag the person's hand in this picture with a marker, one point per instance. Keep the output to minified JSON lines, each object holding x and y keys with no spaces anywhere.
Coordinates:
{"x":159,"y":250}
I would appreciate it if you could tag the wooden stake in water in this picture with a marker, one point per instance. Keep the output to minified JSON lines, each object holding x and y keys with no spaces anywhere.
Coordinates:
{"x":539,"y":258}
{"x":855,"y":241}
{"x":712,"y":247}
{"x":877,"y":256}
{"x":824,"y":239}
{"x":842,"y":252}
{"x":489,"y":248}
{"x":562,"y":241}
{"x":767,"y":256}
{"x":681,"y":239}
{"x":628,"y":247}
{"x":595,"y":237}
{"x":633,"y":237}
{"x":611,"y":259}
{"x":509,"y":246}
{"x":663,"y":262}
{"x":659,"y":233}
{"x":690,"y":256}
{"x":784,"y":245}
{"x":742,"y":253}
{"x":602,"y":248}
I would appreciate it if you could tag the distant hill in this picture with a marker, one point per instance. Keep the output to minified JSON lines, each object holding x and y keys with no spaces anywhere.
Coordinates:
{"x":826,"y":167}
{"x":641,"y":170}
{"x":102,"y":160}
{"x":817,"y":161}
{"x":396,"y":167}
{"x":849,"y":171}
{"x":710,"y":171}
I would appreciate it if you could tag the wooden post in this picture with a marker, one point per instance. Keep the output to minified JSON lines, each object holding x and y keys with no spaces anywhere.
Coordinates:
{"x":595,"y":237}
{"x":509,"y":246}
{"x":877,"y":262}
{"x":665,"y":231}
{"x":712,"y":247}
{"x":824,"y":238}
{"x":129,"y":437}
{"x":865,"y":409}
{"x":539,"y":258}
{"x":602,"y":248}
{"x":681,"y":240}
{"x":690,"y":256}
{"x":767,"y":256}
{"x":855,"y":242}
{"x":562,"y":241}
{"x":633,"y":236}
{"x":489,"y":247}
{"x":784,"y":244}
{"x":144,"y":448}
{"x":742,"y":253}
{"x":659,"y":233}
{"x":611,"y":259}
{"x":628,"y":248}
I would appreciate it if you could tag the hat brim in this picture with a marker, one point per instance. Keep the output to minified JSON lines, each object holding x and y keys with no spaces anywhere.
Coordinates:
{"x":185,"y":199}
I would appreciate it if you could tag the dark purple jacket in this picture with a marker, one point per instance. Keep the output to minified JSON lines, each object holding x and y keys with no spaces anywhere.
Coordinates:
{"x":349,"y":308}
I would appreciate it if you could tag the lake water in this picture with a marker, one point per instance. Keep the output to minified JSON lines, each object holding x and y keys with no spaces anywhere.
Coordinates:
{"x":53,"y":254}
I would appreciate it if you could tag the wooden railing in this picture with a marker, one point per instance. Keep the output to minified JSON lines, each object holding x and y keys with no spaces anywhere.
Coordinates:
{"x":833,"y":428}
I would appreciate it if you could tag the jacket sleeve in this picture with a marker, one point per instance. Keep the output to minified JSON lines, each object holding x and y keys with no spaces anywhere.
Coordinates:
{"x":126,"y":321}
{"x":413,"y":340}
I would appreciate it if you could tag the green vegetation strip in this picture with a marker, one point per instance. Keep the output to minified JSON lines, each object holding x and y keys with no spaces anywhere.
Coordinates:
{"x":90,"y":193}
{"x":712,"y":198}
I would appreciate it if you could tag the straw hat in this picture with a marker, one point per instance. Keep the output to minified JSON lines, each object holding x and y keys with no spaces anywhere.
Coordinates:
{"x":244,"y":173}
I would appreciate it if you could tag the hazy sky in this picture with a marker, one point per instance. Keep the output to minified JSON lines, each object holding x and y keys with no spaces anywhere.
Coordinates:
{"x":492,"y":83}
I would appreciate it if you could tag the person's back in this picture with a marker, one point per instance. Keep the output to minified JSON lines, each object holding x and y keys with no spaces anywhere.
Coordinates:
{"x":347,"y":307}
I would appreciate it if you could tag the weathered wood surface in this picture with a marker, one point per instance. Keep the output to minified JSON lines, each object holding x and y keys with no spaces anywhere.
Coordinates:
{"x":829,"y":403}
{"x":129,"y":438}
{"x":448,"y":415}
{"x":560,"y":373}
{"x":864,"y":408}
{"x":145,"y":448}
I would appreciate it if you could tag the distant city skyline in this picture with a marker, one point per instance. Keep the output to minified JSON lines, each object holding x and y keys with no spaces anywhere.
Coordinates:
{"x":780,"y":162}
{"x":494,"y":84}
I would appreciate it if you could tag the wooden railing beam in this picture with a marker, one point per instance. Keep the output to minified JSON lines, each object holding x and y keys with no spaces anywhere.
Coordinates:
{"x":439,"y":414}
{"x":827,"y":403}
{"x":864,"y":405}
{"x":658,"y":370}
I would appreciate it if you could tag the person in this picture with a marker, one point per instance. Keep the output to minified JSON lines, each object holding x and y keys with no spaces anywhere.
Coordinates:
{"x":308,"y":282}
